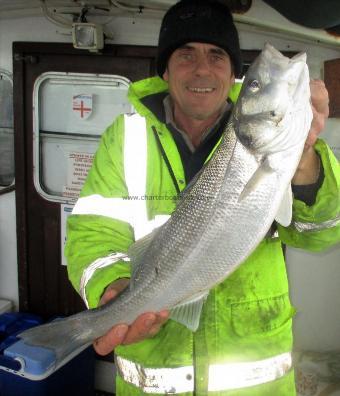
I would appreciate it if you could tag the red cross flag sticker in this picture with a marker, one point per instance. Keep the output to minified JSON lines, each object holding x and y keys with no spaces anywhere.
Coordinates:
{"x":82,"y":106}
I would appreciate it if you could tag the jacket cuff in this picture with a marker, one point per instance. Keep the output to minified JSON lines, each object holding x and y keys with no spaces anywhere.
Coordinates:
{"x":101,"y":278}
{"x":317,"y":227}
{"x":307,"y":193}
{"x":326,"y":205}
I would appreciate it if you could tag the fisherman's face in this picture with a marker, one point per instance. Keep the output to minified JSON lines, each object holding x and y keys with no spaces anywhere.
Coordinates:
{"x":199,"y":76}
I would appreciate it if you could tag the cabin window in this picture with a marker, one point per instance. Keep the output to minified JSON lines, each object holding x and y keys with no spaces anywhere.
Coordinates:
{"x":71,"y":111}
{"x":6,"y":130}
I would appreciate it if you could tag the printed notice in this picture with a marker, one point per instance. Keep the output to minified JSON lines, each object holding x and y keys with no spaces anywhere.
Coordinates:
{"x":78,"y":165}
{"x":65,"y":211}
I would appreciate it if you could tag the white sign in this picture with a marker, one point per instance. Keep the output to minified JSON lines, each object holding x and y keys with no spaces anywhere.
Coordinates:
{"x":82,"y":106}
{"x":78,"y":165}
{"x":65,"y":211}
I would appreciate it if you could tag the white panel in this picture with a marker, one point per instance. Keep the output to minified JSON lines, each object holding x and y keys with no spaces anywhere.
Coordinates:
{"x":71,"y":111}
{"x":66,"y":178}
{"x":56,"y":98}
{"x":315,"y":292}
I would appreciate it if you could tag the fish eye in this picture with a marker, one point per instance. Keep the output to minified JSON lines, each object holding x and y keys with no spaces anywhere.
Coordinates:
{"x":254,"y":85}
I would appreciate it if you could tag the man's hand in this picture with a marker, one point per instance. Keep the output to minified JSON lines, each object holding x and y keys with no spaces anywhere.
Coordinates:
{"x":308,"y":169}
{"x":320,"y":108}
{"x":145,"y":326}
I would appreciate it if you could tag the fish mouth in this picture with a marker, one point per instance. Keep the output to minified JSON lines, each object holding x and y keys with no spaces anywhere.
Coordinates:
{"x":273,"y":116}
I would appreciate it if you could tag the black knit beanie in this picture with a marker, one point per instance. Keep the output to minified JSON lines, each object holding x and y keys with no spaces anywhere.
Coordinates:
{"x":204,"y":21}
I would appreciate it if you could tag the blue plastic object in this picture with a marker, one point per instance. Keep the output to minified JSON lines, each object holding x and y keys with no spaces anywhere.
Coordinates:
{"x":11,"y":323}
{"x":30,"y":371}
{"x":36,"y":362}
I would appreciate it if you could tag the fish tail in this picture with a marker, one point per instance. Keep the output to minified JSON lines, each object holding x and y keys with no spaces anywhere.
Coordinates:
{"x":65,"y":338}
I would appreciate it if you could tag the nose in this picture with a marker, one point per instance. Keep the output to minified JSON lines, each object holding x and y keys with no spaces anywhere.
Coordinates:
{"x":202,"y":66}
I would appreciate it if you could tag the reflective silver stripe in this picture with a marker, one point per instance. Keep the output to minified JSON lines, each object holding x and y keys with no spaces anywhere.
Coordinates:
{"x":99,"y":263}
{"x":305,"y":227}
{"x":226,"y":376}
{"x":159,"y":381}
{"x":119,"y":209}
{"x":135,"y":167}
{"x":135,"y":162}
{"x":135,"y":154}
{"x":243,"y":375}
{"x":115,"y":208}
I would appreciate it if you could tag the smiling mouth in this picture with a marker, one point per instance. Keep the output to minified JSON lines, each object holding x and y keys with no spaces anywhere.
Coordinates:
{"x":201,"y":90}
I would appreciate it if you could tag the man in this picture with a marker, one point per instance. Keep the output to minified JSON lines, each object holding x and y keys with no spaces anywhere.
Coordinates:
{"x":243,"y":344}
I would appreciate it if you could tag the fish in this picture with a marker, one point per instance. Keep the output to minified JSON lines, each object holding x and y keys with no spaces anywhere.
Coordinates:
{"x":221,"y":217}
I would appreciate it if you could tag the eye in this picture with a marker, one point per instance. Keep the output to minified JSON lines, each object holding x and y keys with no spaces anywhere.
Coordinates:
{"x":185,"y":56}
{"x":216,"y":58}
{"x":254,"y":85}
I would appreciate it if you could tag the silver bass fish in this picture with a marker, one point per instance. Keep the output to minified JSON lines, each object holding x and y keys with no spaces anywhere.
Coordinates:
{"x":221,"y":217}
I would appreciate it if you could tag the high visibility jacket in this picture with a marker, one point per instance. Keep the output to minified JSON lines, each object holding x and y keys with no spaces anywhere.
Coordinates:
{"x":243,"y":344}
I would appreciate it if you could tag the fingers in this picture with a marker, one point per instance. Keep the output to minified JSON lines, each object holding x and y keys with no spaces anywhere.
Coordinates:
{"x":320,"y":108}
{"x":140,"y":328}
{"x":162,"y":317}
{"x":319,"y":97}
{"x":107,"y":296}
{"x":145,"y":326}
{"x":110,"y":340}
{"x":113,"y":290}
{"x":317,"y":126}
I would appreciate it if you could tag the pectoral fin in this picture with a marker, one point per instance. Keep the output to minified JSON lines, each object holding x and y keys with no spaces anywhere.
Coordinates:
{"x":261,"y":172}
{"x":284,"y":214}
{"x":188,"y":313}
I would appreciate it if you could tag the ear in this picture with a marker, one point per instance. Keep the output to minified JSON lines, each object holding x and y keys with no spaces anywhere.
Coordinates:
{"x":166,"y":75}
